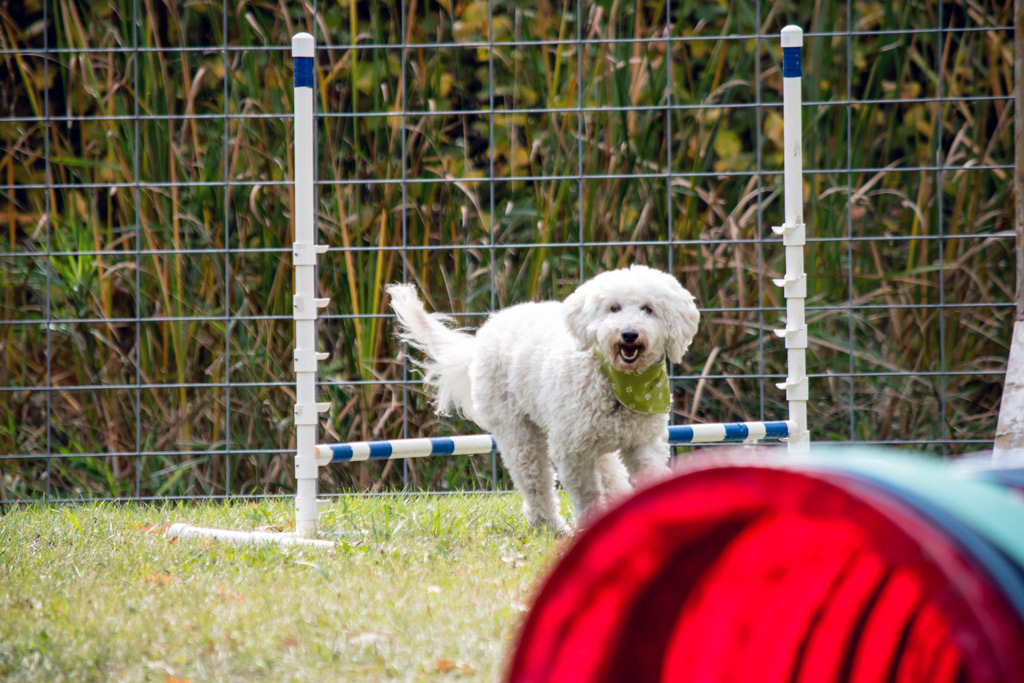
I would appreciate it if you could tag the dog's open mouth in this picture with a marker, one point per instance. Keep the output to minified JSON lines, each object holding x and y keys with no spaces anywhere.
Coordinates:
{"x":630,"y":353}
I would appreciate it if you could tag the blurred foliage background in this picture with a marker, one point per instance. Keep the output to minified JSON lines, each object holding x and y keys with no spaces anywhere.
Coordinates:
{"x":507,"y":151}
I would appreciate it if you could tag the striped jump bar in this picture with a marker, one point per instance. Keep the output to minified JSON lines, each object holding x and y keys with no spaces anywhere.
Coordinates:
{"x":357,"y":451}
{"x":729,"y":432}
{"x":475,"y":444}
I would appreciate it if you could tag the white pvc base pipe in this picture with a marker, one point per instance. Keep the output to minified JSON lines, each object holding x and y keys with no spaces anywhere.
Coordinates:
{"x":281,"y":538}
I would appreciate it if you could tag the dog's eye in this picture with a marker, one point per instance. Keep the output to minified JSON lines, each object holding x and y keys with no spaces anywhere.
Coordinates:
{"x":647,"y":309}
{"x":615,"y":308}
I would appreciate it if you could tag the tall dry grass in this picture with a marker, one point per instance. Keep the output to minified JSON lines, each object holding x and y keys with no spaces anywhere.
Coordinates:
{"x":128,"y":261}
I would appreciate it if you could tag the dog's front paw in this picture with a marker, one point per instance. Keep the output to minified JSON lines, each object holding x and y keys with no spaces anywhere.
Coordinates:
{"x":650,"y":474}
{"x":567,"y":530}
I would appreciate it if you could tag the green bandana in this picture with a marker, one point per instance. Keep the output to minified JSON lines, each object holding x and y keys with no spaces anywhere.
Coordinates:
{"x":642,"y":392}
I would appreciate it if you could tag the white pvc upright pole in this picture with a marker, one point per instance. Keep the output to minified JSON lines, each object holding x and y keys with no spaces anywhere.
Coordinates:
{"x":305,"y":303}
{"x":794,"y":235}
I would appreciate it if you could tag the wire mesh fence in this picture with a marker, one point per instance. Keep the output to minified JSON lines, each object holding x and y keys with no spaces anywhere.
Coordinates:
{"x":491,"y":152}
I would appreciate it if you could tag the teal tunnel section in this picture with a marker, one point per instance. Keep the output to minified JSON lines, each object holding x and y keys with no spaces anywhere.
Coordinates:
{"x":840,"y":567}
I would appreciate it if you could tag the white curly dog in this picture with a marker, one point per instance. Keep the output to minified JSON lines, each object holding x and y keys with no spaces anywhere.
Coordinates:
{"x":578,"y":387}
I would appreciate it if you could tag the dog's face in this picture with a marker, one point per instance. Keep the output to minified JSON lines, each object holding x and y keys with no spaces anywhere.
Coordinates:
{"x":636,"y":316}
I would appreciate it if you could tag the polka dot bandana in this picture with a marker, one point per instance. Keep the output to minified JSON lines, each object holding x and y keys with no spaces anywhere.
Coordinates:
{"x":642,"y":392}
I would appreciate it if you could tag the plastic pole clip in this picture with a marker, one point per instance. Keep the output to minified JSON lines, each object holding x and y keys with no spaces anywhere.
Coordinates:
{"x":304,"y":311}
{"x":796,"y":390}
{"x":309,"y":417}
{"x":793,"y":234}
{"x":305,"y":360}
{"x":794,"y":286}
{"x":796,"y":338}
{"x":306,"y":466}
{"x":304,"y":253}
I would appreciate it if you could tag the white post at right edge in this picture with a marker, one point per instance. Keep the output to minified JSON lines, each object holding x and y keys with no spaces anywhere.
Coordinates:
{"x":794,"y":235}
{"x":305,"y":303}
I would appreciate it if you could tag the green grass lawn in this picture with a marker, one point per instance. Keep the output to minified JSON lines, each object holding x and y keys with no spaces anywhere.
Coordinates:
{"x":418,"y":587}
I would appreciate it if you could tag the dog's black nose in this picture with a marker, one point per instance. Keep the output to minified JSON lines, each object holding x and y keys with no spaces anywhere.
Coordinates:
{"x":629,"y":335}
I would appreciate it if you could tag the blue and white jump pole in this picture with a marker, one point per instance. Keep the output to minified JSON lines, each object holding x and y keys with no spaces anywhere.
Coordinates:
{"x":794,"y":237}
{"x":305,"y":305}
{"x":476,"y":444}
{"x":305,"y":302}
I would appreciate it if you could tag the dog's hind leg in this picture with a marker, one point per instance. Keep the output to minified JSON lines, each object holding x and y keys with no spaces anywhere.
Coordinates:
{"x":525,"y":454}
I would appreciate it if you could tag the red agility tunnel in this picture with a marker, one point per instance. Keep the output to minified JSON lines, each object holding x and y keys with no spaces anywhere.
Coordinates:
{"x":834,"y":569}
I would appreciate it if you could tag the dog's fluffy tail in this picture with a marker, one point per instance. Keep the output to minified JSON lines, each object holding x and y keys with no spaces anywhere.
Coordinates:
{"x":447,"y":351}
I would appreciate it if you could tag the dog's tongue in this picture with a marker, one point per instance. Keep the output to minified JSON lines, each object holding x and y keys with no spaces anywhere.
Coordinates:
{"x":629,"y":352}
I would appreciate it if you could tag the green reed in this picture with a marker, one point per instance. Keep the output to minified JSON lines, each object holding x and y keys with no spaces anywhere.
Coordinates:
{"x":169,"y":251}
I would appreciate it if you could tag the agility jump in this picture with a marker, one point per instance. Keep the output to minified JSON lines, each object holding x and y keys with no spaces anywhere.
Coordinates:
{"x":310,"y":456}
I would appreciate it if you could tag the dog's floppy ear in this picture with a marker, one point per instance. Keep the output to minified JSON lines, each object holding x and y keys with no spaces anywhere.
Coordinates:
{"x":682,"y":319}
{"x":578,"y":317}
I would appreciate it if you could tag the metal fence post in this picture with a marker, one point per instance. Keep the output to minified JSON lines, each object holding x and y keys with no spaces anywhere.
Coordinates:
{"x":1009,"y":441}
